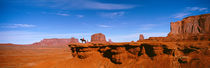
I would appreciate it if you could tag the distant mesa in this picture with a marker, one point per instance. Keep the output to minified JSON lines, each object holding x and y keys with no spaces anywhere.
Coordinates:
{"x":98,"y":38}
{"x":73,"y":40}
{"x":7,"y":44}
{"x":56,"y":41}
{"x":110,"y":41}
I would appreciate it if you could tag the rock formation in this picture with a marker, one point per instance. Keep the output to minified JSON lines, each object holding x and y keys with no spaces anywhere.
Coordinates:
{"x":191,"y":28}
{"x":56,"y":41}
{"x":143,"y":55}
{"x":73,"y":40}
{"x":110,"y":41}
{"x":141,"y":37}
{"x":159,"y":39}
{"x":98,"y":38}
{"x":199,"y":24}
{"x":187,"y":46}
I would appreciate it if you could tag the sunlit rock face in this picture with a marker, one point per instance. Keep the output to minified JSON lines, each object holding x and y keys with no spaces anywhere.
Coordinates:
{"x":98,"y":38}
{"x":191,"y":28}
{"x":199,"y":24}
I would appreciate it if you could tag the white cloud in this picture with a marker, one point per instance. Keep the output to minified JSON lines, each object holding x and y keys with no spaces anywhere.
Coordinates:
{"x":62,"y":14}
{"x":82,"y":4}
{"x":112,"y":14}
{"x":104,"y":26}
{"x":196,"y":9}
{"x":181,"y":15}
{"x":190,"y":10}
{"x":18,"y":26}
{"x":135,"y":36}
{"x":80,"y":16}
{"x":25,"y":37}
{"x":106,"y":6}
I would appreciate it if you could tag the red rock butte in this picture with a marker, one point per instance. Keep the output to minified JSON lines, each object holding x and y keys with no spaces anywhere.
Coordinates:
{"x":98,"y":38}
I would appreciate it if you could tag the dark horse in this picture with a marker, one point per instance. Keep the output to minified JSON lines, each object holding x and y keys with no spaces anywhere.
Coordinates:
{"x":83,"y":40}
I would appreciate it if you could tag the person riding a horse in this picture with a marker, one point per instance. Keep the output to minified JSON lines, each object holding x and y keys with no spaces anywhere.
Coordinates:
{"x":83,"y":40}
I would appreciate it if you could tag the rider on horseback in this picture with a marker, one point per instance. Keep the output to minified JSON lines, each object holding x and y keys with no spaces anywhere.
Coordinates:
{"x":83,"y":40}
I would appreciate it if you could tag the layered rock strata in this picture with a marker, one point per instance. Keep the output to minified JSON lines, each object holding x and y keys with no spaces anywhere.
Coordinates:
{"x":191,"y":28}
{"x":149,"y":55}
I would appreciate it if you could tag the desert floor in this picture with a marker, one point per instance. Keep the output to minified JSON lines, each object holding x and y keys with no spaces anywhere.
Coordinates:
{"x":33,"y":56}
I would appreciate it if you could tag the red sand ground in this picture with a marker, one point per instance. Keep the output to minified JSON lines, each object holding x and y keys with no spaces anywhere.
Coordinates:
{"x":14,"y":56}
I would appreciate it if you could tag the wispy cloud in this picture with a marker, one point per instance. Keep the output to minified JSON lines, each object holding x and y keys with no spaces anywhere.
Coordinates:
{"x":105,"y":6}
{"x":82,"y":4}
{"x":80,"y":16}
{"x":196,"y":9}
{"x":181,"y":15}
{"x":104,"y":26}
{"x":189,"y":10}
{"x":18,"y":26}
{"x":112,"y":14}
{"x":62,"y":14}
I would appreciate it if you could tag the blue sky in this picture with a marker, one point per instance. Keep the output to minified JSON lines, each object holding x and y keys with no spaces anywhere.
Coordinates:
{"x":29,"y":21}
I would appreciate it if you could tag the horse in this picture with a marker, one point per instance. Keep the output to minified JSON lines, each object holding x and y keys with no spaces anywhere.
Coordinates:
{"x":83,"y":40}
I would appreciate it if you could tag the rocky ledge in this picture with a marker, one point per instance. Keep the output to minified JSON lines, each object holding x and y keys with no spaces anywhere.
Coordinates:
{"x":147,"y":54}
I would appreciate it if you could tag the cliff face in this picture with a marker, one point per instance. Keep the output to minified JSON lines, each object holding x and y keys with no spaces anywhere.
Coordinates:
{"x":191,"y":28}
{"x":147,"y":55}
{"x":55,"y":41}
{"x":199,"y":24}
